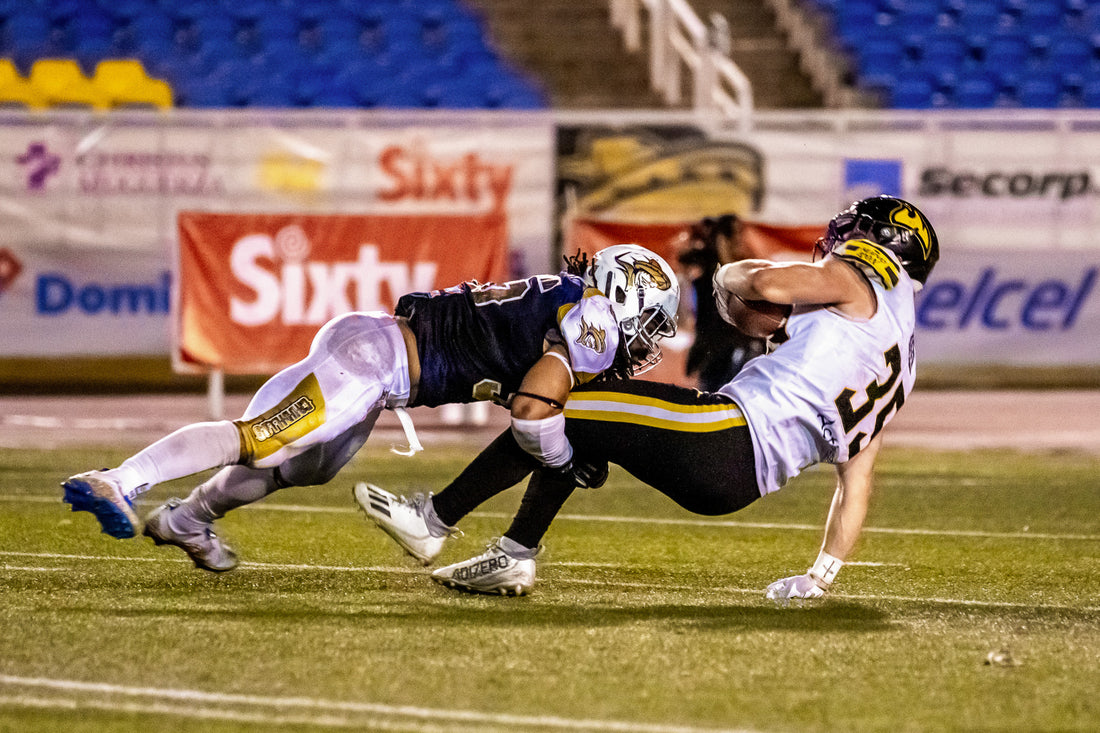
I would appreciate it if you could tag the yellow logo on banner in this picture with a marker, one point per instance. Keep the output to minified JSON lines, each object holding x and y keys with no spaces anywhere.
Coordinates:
{"x":642,"y":176}
{"x":290,"y":173}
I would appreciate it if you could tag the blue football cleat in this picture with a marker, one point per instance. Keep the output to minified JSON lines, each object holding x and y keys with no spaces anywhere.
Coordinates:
{"x":93,"y":492}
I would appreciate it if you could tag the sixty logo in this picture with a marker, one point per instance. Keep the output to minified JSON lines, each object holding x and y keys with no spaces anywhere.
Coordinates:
{"x":38,"y":165}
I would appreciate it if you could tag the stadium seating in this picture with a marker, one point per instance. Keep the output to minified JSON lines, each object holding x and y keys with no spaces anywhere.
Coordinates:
{"x":62,"y":83}
{"x":210,"y":53}
{"x":126,"y":84}
{"x":970,"y":53}
{"x":16,"y":91}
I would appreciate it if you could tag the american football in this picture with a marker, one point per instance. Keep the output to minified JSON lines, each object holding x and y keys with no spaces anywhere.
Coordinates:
{"x":758,"y":318}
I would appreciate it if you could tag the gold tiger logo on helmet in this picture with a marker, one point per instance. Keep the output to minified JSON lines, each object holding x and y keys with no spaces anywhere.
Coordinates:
{"x":592,"y":337}
{"x":907,"y":217}
{"x":640,"y":271}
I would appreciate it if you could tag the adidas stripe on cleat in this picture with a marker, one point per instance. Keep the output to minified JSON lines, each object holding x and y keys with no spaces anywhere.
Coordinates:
{"x":93,"y":491}
{"x":403,"y":520}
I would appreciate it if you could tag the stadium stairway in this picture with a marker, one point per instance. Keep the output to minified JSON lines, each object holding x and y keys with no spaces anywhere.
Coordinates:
{"x":582,"y":63}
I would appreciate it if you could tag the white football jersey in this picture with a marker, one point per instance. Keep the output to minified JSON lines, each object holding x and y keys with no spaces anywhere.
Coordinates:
{"x":827,"y":390}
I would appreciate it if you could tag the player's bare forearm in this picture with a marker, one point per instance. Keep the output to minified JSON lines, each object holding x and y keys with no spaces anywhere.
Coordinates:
{"x":827,"y":282}
{"x":544,"y":389}
{"x":855,"y":479}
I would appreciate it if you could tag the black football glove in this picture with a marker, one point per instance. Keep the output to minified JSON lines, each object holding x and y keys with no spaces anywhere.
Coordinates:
{"x":589,"y":474}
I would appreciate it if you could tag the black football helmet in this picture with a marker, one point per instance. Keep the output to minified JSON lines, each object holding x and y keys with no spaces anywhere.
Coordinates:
{"x":893,"y":225}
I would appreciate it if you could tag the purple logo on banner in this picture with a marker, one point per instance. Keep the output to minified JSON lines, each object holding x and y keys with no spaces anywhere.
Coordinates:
{"x":39,"y":164}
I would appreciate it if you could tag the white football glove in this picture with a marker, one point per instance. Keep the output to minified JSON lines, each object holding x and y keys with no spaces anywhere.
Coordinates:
{"x":796,"y":586}
{"x":721,"y":295}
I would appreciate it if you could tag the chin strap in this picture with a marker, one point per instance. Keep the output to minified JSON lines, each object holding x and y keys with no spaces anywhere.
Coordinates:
{"x":410,"y":434}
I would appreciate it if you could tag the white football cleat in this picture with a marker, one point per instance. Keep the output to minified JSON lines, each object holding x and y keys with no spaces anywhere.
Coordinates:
{"x":403,"y":520}
{"x":95,"y":492}
{"x":495,"y":571}
{"x":200,"y":543}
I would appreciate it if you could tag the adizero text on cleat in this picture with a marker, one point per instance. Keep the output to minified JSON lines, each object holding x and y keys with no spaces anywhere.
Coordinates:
{"x":493,"y":572}
{"x":200,"y":543}
{"x":402,"y":519}
{"x":93,"y":491}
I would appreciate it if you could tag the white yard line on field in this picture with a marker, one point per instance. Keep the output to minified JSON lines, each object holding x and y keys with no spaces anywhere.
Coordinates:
{"x":329,"y":713}
{"x":682,"y":522}
{"x":650,"y":585}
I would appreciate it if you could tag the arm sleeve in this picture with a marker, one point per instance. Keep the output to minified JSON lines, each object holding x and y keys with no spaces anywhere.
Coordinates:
{"x":544,"y":439}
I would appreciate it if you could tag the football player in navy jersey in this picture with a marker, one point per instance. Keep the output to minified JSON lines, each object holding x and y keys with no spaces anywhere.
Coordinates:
{"x":843,"y":368}
{"x":523,"y":344}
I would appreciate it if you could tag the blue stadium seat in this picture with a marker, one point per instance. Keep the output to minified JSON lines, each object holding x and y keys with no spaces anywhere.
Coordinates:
{"x":58,"y":10}
{"x":277,"y":24}
{"x":124,"y":10}
{"x":1069,"y":52}
{"x":980,"y":18}
{"x":152,"y":24}
{"x":1006,"y":50}
{"x":1042,"y":91}
{"x":208,"y":91}
{"x":912,"y":90}
{"x":247,"y":11}
{"x":90,"y":51}
{"x":914,"y":19}
{"x":27,"y":37}
{"x":1041,"y":17}
{"x":880,"y":60}
{"x":212,"y":25}
{"x":1090,"y":93}
{"x":943,"y":50}
{"x":975,"y":90}
{"x":855,"y":17}
{"x":338,"y":28}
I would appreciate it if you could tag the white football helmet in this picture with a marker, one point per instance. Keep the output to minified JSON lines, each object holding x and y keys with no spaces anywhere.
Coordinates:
{"x":644,"y":295}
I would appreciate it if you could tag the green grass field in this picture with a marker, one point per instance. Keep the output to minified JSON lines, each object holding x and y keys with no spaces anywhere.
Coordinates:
{"x":645,"y":617}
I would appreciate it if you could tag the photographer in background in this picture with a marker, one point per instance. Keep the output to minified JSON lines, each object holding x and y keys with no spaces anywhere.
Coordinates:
{"x":719,"y":350}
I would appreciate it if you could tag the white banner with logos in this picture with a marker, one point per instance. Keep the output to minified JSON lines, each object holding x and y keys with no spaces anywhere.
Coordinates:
{"x":1017,"y":308}
{"x":89,"y":203}
{"x":995,"y":183}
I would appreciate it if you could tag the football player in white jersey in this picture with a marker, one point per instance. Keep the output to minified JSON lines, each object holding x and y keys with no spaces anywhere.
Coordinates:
{"x":523,"y":344}
{"x":842,"y":365}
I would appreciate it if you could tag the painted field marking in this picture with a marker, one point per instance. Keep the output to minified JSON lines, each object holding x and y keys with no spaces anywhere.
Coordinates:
{"x":333,"y":713}
{"x":565,"y":581}
{"x":667,"y":521}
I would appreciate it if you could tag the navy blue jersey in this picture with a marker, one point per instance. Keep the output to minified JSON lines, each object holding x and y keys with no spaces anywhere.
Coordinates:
{"x":477,"y":341}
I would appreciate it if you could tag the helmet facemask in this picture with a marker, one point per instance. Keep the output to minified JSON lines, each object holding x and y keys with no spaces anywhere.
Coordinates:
{"x":639,"y":338}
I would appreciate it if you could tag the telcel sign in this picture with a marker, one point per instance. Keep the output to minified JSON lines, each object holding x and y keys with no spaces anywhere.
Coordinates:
{"x":1014,"y":307}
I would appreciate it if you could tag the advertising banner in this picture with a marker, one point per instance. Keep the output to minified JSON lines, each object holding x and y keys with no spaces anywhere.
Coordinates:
{"x":1017,"y":308}
{"x":255,"y":288}
{"x":89,"y":204}
{"x":65,"y":301}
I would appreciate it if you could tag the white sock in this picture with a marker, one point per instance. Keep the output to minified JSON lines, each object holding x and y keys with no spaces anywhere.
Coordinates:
{"x":190,"y":449}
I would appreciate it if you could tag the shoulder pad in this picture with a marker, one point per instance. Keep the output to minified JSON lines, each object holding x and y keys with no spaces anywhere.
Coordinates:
{"x":874,"y":260}
{"x":591,"y":334}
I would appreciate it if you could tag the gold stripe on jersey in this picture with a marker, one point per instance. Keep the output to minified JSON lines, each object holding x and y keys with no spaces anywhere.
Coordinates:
{"x":302,"y":411}
{"x":652,"y":412}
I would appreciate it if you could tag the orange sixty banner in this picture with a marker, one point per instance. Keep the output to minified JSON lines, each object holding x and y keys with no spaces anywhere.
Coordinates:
{"x":253,"y":289}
